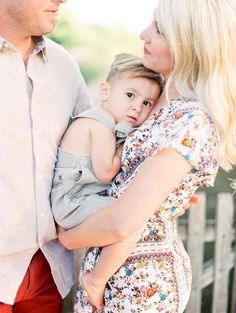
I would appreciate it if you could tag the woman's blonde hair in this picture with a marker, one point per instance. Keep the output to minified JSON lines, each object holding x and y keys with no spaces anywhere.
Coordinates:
{"x":202,"y":38}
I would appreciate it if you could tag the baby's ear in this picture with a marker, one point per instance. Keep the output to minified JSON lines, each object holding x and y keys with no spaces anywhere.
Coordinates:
{"x":104,"y":91}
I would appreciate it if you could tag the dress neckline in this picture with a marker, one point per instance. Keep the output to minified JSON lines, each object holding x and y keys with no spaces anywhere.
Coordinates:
{"x":170,"y":103}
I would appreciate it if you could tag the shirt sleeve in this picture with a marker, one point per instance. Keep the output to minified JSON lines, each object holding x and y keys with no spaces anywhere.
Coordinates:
{"x":83,"y":101}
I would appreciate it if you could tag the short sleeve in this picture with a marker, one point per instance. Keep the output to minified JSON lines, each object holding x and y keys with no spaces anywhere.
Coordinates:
{"x":194,"y":136}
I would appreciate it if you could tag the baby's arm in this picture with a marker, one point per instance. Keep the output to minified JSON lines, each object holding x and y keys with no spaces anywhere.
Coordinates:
{"x":105,"y":161}
{"x":110,"y":259}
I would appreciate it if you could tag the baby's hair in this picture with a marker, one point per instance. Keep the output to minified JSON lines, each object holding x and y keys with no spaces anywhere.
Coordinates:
{"x":133,"y":66}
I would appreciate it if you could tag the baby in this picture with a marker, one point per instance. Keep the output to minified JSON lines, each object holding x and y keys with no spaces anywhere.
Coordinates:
{"x":89,"y":158}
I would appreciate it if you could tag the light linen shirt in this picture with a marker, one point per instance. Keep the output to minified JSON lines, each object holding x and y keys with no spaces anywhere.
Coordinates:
{"x":35,"y":107}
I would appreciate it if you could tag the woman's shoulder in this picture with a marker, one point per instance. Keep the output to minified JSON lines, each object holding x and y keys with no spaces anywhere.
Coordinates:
{"x":188,"y":117}
{"x":186,"y":105}
{"x":188,"y":109}
{"x":193,"y":132}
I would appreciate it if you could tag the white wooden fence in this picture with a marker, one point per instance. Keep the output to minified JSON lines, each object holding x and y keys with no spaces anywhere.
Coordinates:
{"x":195,"y":232}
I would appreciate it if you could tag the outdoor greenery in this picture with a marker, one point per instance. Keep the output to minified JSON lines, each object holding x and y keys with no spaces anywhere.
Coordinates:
{"x":94,"y":48}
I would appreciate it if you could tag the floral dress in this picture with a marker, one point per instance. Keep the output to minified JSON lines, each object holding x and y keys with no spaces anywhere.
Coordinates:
{"x":156,"y":277}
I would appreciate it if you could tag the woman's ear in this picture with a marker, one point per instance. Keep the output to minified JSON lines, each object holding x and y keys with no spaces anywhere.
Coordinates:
{"x":104,"y":91}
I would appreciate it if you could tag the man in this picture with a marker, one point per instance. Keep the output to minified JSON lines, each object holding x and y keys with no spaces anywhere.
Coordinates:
{"x":40,"y":89}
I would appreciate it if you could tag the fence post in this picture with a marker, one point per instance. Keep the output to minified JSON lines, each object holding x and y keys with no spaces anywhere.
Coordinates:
{"x":233,"y":304}
{"x":224,"y":216}
{"x":195,"y":248}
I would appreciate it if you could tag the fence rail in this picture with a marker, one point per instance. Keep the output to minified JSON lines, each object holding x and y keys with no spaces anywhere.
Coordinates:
{"x":195,"y":232}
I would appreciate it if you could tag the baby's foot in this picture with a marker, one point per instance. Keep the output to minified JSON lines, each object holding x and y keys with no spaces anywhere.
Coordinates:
{"x":94,"y":289}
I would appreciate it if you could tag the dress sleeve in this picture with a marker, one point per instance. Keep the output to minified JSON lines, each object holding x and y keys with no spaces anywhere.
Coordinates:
{"x":193,"y":136}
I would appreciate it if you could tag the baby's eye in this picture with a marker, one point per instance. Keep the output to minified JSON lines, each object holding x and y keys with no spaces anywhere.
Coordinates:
{"x":147,"y":103}
{"x":130,"y":94}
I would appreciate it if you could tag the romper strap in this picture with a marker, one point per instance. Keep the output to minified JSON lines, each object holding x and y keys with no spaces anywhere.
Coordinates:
{"x":99,"y":115}
{"x":121,"y":130}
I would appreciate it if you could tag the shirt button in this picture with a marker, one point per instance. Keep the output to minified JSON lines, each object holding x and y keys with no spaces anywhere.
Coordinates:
{"x":20,"y":69}
{"x":40,"y":176}
{"x":42,"y":214}
{"x":6,"y":45}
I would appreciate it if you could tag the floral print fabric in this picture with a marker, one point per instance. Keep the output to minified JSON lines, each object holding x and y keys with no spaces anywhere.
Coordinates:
{"x":157,"y":275}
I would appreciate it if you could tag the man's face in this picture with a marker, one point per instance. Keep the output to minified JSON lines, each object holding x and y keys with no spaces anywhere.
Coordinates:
{"x":32,"y":17}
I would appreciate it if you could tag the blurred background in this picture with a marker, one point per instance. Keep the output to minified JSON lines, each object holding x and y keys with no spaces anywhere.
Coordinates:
{"x":94,"y":32}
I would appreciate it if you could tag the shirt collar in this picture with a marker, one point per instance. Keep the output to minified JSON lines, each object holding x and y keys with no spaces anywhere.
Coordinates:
{"x":40,"y":47}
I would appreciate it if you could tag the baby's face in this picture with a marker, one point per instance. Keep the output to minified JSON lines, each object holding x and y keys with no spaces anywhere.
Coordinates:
{"x":130,"y":100}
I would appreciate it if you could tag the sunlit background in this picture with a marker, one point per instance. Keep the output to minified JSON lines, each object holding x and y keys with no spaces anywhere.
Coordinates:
{"x":95,"y":31}
{"x":133,"y":15}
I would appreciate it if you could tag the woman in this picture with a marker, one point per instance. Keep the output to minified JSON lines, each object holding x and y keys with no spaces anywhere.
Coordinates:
{"x":189,"y":133}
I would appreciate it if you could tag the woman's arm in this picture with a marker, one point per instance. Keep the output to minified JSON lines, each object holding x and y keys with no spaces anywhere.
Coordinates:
{"x":156,"y":178}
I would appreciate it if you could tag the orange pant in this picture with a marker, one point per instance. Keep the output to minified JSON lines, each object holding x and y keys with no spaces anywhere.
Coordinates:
{"x":37,"y":292}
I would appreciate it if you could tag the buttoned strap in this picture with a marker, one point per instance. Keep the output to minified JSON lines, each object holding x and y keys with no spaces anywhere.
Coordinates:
{"x":99,"y":115}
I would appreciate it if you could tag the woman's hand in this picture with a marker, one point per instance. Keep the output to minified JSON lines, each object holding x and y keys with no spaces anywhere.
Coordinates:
{"x":119,"y":150}
{"x":193,"y":200}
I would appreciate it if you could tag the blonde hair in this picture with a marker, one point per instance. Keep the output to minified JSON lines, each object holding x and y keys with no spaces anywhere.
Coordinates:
{"x":133,"y":66}
{"x":202,"y":38}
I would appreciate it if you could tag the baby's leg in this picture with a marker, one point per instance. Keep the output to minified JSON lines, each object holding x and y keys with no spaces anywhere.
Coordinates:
{"x":111,"y":258}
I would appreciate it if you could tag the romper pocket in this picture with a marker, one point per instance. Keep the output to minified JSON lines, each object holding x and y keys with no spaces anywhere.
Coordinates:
{"x":66,"y":178}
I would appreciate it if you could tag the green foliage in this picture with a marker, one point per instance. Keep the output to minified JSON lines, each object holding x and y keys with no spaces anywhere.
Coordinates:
{"x":93,"y":46}
{"x":66,"y":32}
{"x":232,"y":184}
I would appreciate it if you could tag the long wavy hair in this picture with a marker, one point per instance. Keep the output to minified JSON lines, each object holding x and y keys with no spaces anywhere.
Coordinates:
{"x":202,"y":38}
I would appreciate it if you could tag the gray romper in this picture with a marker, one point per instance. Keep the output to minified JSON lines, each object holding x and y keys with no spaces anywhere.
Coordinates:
{"x":76,"y":192}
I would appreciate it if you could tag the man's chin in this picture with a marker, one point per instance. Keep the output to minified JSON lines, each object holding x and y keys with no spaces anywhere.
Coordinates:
{"x":45,"y":30}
